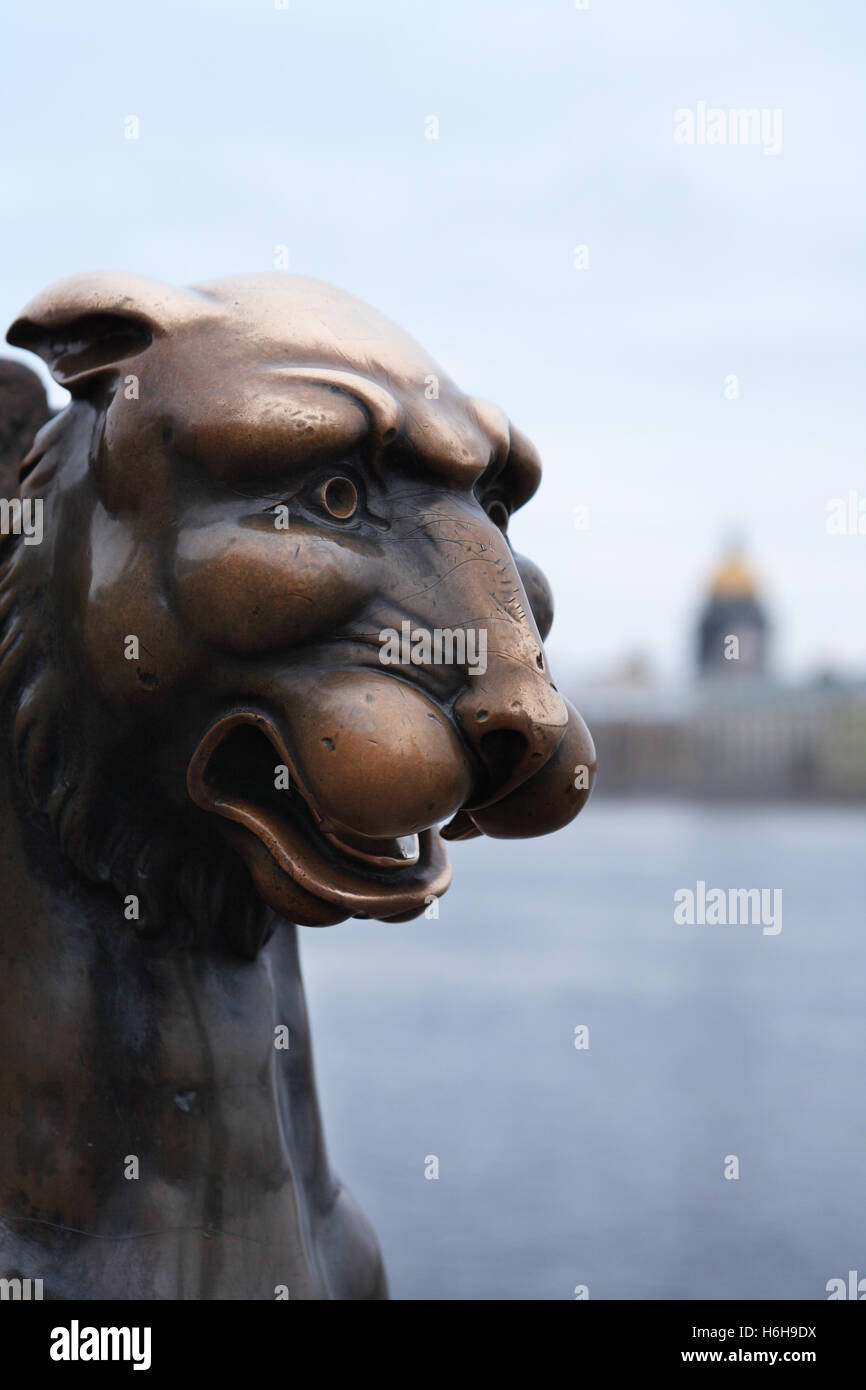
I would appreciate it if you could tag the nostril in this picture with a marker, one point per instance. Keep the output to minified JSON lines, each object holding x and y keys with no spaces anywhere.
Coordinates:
{"x":539,"y":660}
{"x":481,"y":716}
{"x":502,"y":750}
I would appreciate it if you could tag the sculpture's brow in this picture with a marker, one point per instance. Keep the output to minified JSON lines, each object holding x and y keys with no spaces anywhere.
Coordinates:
{"x":457,"y":444}
{"x":386,"y":412}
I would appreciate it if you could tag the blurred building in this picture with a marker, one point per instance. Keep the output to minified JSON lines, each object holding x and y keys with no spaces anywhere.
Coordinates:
{"x":737,"y":732}
{"x":733,"y":629}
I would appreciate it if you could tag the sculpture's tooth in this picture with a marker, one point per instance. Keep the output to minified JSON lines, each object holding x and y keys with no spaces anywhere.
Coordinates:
{"x":392,"y":853}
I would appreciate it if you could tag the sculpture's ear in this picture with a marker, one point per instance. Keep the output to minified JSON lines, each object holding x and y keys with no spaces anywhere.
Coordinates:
{"x":85,"y":326}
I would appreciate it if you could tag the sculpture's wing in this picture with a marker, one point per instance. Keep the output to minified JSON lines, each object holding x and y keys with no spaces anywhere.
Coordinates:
{"x":24,"y":409}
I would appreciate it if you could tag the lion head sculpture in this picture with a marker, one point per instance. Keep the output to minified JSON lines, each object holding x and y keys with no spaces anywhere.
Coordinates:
{"x":256,"y":480}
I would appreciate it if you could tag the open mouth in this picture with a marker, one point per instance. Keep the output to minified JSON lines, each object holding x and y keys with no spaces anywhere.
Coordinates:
{"x":242,"y":771}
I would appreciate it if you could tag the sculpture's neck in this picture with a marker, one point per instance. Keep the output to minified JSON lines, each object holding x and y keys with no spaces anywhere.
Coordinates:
{"x":146,"y":1104}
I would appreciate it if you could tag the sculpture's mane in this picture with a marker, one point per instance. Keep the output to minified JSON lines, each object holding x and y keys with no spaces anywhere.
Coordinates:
{"x":69,"y":788}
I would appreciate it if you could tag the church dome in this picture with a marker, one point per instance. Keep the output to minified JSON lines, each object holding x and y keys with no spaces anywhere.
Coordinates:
{"x":733,"y":579}
{"x":733,"y":630}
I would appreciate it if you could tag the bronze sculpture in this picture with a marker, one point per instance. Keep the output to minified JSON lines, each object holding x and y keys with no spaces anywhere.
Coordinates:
{"x":259,"y":484}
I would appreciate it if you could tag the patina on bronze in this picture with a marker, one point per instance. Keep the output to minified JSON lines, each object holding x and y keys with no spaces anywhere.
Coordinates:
{"x":201,"y":747}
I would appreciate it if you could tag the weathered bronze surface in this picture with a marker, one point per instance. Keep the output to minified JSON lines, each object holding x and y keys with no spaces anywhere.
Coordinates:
{"x":255,"y":482}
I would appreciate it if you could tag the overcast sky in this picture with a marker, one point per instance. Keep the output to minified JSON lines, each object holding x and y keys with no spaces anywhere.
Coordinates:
{"x":305,"y":127}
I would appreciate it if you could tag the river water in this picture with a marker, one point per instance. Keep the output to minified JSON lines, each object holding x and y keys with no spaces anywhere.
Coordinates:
{"x":604,"y":1166}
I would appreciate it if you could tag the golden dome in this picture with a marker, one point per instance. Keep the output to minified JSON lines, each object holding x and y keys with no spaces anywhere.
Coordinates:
{"x":733,"y":579}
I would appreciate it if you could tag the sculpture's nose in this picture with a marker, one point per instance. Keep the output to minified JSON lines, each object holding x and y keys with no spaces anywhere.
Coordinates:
{"x":513,"y":720}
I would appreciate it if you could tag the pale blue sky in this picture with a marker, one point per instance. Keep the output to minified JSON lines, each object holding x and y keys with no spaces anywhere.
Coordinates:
{"x":305,"y":127}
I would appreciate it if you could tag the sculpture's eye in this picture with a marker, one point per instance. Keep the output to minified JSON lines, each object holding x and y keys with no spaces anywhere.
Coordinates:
{"x":339,"y":497}
{"x":498,"y":513}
